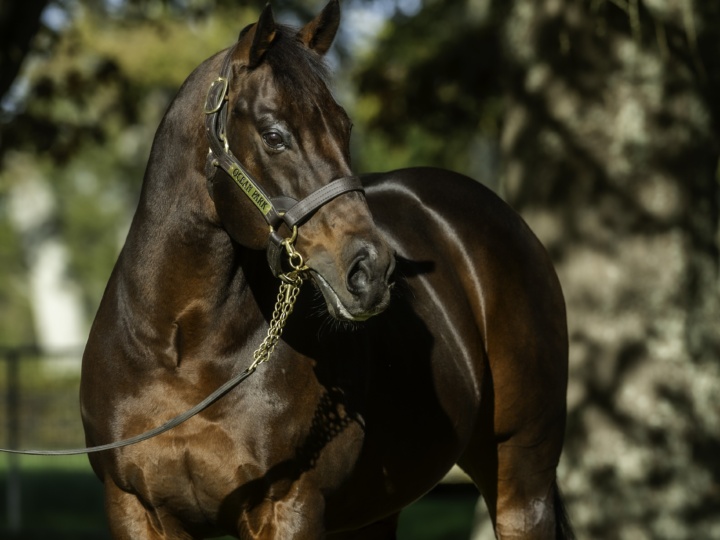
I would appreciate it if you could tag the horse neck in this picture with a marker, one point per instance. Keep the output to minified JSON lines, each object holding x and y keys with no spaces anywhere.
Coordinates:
{"x":176,"y":253}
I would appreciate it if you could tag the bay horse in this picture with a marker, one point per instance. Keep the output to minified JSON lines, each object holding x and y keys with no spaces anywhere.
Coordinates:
{"x":434,"y":332}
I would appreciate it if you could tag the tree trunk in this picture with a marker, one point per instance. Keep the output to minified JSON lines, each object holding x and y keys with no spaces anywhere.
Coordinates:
{"x":19,"y":22}
{"x":610,"y":149}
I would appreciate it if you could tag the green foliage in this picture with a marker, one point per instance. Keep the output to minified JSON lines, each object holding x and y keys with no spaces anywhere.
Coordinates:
{"x":428,"y":89}
{"x":97,"y":87}
{"x":86,"y":129}
{"x":15,"y":320}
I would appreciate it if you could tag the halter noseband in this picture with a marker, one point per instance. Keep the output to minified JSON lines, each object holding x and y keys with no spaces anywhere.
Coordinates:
{"x":278,"y":210}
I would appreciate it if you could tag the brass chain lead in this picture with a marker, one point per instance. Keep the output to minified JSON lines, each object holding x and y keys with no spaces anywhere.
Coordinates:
{"x":287,"y":295}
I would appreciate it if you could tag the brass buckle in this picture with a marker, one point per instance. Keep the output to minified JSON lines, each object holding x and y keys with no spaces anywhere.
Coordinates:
{"x":295,"y":259}
{"x":217,"y":93}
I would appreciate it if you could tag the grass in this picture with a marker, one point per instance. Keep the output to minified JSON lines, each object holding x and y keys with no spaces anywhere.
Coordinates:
{"x":28,"y":464}
{"x":60,"y":498}
{"x":446,"y":513}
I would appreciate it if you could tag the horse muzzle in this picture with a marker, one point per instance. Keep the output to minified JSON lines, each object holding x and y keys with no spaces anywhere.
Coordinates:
{"x":358,"y":286}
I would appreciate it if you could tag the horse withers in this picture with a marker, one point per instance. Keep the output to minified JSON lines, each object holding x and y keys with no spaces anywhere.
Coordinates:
{"x":448,"y":345}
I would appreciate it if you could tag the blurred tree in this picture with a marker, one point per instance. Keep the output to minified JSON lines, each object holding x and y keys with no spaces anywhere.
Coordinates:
{"x":610,"y":148}
{"x":19,"y":22}
{"x":81,"y":115}
{"x":430,"y":92}
{"x":95,"y":91}
{"x":15,"y":319}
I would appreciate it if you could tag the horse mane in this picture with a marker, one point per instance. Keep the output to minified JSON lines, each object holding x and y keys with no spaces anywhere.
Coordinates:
{"x":299,"y":71}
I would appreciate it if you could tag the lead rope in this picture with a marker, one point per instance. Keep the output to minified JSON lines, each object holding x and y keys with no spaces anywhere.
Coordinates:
{"x":289,"y":291}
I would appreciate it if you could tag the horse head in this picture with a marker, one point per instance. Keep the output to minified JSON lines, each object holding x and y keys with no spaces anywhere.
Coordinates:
{"x":289,"y":141}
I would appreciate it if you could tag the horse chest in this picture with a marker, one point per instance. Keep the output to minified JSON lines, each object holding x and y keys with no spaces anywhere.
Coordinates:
{"x":257,"y":445}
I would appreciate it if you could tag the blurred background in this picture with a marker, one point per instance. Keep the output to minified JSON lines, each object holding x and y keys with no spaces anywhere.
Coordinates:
{"x":597,"y":120}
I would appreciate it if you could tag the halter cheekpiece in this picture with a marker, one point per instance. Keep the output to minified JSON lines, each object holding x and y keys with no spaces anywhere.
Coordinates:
{"x":277,"y":210}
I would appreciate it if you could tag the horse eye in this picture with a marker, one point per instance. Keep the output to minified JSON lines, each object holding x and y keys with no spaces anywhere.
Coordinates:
{"x":274,"y":140}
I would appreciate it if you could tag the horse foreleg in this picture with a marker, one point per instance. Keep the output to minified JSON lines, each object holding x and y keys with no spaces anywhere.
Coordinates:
{"x":523,"y":501}
{"x":130,"y":520}
{"x":297,"y":515}
{"x":525,"y":507}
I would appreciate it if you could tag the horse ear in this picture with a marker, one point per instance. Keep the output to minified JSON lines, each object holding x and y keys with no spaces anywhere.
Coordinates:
{"x":263,"y":34}
{"x":319,"y":33}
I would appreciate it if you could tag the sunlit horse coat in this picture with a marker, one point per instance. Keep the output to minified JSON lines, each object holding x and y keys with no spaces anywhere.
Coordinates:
{"x":462,"y":358}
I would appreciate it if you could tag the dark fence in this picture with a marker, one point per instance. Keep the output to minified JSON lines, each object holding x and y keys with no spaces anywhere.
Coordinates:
{"x":39,"y":409}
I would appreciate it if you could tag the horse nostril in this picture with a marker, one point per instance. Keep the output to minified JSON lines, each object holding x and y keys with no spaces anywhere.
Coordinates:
{"x":358,"y":277}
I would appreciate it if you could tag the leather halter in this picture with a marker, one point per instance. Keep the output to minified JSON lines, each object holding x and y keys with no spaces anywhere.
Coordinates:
{"x":278,"y":210}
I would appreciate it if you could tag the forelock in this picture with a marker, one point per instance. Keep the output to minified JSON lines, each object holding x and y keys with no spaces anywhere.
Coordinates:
{"x":301,"y":74}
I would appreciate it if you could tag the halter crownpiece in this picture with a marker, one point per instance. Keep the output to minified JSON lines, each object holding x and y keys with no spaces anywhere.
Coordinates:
{"x":277,"y":210}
